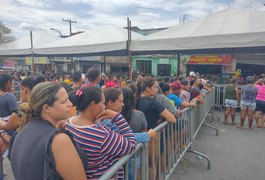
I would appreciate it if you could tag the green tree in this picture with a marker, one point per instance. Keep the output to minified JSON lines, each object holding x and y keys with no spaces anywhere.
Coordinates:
{"x":5,"y":34}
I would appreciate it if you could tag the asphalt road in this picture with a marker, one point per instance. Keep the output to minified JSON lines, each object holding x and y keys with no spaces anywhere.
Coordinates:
{"x":236,"y":154}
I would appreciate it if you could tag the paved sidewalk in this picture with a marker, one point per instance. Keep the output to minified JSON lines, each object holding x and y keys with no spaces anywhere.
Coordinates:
{"x":7,"y":170}
{"x":236,"y":154}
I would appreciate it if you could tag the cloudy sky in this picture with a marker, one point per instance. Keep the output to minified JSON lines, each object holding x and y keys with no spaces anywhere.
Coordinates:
{"x":46,"y":14}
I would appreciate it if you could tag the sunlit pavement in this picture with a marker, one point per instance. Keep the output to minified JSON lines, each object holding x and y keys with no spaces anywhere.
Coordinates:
{"x":236,"y":154}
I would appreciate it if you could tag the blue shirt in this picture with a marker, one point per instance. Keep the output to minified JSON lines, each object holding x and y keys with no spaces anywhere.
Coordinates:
{"x":177,"y":101}
{"x":249,"y":93}
{"x":8,"y":104}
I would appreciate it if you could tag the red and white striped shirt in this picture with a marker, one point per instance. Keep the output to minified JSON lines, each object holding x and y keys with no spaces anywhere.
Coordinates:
{"x":103,"y":146}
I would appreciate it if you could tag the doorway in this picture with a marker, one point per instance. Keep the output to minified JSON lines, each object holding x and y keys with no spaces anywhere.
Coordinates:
{"x":163,"y":69}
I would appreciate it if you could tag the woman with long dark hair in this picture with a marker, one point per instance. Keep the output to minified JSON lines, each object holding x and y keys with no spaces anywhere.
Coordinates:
{"x":153,"y":110}
{"x":123,"y":101}
{"x":135,"y":118}
{"x":103,"y":146}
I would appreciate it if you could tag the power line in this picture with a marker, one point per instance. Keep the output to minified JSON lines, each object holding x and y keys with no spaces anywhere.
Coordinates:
{"x":70,"y":24}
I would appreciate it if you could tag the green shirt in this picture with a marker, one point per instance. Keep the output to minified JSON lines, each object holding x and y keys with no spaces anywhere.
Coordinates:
{"x":230,"y":92}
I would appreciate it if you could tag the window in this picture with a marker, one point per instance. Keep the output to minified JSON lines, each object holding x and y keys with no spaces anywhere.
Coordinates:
{"x":144,"y":67}
{"x":163,"y":69}
{"x":117,"y":69}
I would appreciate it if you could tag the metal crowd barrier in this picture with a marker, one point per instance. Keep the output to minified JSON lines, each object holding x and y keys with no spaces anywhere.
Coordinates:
{"x":220,"y":97}
{"x":159,"y":158}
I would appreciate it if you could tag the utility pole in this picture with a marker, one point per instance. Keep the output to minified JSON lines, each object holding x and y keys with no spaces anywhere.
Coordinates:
{"x":70,"y":24}
{"x":32,"y":53}
{"x":183,"y":19}
{"x":129,"y":26}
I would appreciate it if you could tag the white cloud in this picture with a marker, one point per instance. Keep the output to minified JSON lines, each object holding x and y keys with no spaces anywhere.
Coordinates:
{"x":144,"y":14}
{"x":249,"y":4}
{"x":33,"y":3}
{"x":26,"y":26}
{"x":37,"y":17}
{"x":150,"y":13}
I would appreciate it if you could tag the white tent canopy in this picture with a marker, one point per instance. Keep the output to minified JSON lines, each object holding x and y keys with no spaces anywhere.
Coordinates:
{"x":225,"y":29}
{"x":23,"y":46}
{"x":109,"y":39}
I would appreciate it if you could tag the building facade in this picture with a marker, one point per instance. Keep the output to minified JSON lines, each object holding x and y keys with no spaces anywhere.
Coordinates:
{"x":156,"y":65}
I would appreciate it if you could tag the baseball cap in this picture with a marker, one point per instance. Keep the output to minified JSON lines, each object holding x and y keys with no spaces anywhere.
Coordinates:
{"x":175,"y":85}
{"x":110,"y":84}
{"x":249,"y":79}
{"x":192,"y":73}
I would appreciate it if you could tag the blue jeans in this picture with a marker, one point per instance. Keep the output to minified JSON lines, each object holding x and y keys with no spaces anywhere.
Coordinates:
{"x":131,"y":167}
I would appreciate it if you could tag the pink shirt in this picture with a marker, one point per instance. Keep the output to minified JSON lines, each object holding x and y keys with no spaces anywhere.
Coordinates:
{"x":185,"y":96}
{"x":261,"y":93}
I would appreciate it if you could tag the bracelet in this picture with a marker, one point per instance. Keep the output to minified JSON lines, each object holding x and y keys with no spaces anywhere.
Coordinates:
{"x":3,"y":133}
{"x":4,"y":140}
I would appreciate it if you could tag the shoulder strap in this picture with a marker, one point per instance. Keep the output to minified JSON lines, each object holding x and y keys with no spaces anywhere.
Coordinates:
{"x":49,"y":165}
{"x":3,"y":93}
{"x":50,"y":172}
{"x":10,"y":145}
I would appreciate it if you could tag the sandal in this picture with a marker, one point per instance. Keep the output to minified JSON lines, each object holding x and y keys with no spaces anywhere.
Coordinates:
{"x":261,"y":126}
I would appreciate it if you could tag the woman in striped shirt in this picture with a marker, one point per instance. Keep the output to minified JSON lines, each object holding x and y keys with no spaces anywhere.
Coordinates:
{"x":103,"y":146}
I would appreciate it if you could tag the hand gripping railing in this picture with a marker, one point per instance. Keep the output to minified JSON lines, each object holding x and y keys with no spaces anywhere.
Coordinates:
{"x":160,"y":157}
{"x":112,"y":172}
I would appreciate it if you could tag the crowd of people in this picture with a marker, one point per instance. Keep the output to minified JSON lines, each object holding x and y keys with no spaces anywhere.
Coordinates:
{"x":78,"y":126}
{"x":249,"y":96}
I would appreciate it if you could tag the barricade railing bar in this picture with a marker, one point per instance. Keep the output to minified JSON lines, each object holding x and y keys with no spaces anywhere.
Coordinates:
{"x":142,"y":149}
{"x":220,"y":97}
{"x":162,"y":154}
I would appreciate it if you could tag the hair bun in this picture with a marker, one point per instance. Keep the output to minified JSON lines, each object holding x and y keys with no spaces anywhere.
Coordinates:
{"x":24,"y":107}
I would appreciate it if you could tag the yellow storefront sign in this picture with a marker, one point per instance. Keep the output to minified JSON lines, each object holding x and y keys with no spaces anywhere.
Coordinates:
{"x":207,"y":59}
{"x":37,"y":60}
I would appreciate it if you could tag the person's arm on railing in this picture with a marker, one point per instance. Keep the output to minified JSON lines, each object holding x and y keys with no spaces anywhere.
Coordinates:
{"x":123,"y":126}
{"x":200,"y":99}
{"x":144,"y":137}
{"x":12,"y":123}
{"x":208,"y":88}
{"x":118,"y":120}
{"x":190,"y":104}
{"x":168,"y":116}
{"x":117,"y":143}
{"x":141,"y":137}
{"x":258,"y":82}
